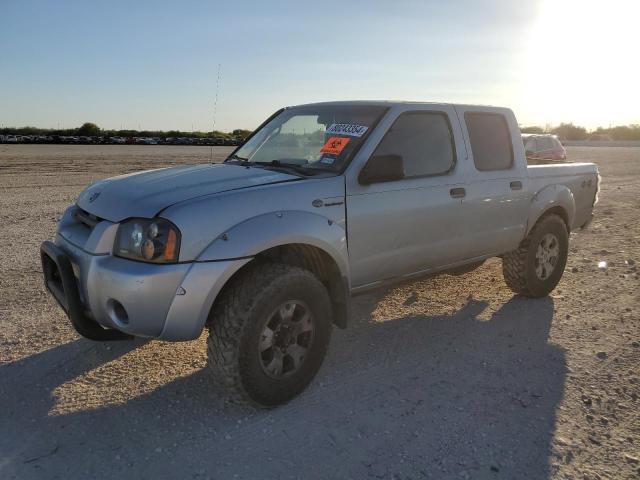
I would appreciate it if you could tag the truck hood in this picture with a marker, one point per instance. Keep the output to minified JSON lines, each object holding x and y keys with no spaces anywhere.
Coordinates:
{"x":145,"y":194}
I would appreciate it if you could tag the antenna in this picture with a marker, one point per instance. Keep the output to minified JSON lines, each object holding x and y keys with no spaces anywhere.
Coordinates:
{"x":215,"y":108}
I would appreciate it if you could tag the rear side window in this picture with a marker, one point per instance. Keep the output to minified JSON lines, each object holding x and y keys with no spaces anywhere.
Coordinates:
{"x":490,"y":140}
{"x":425,"y":142}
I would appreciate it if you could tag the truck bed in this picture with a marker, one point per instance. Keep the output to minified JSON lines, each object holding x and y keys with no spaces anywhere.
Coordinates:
{"x":580,"y":178}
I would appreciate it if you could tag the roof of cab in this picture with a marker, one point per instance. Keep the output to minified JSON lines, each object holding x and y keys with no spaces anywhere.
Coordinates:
{"x":387,"y":103}
{"x":528,"y":135}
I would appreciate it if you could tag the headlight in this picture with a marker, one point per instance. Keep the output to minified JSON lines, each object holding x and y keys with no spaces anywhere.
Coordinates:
{"x":148,"y":240}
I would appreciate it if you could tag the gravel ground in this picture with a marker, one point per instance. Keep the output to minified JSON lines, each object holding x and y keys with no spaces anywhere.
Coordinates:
{"x":452,"y":377}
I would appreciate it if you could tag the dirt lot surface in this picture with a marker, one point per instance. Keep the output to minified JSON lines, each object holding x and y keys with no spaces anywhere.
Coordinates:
{"x":452,"y":377}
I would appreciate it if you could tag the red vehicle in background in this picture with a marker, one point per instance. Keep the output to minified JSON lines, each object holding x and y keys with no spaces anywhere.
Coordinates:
{"x":543,"y":147}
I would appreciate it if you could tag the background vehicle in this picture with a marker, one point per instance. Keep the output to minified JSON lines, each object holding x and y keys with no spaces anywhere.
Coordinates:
{"x":322,"y":202}
{"x":146,"y":141}
{"x":543,"y":147}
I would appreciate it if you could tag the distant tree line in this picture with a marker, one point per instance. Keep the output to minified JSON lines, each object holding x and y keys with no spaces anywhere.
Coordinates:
{"x":569,"y":131}
{"x":92,"y":130}
{"x":564,"y":131}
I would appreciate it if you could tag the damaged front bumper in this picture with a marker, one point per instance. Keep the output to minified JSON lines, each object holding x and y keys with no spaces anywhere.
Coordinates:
{"x":101,"y":291}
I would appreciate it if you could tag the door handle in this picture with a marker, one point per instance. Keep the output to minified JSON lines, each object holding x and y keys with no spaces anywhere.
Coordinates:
{"x":517,"y":185}
{"x":458,"y":192}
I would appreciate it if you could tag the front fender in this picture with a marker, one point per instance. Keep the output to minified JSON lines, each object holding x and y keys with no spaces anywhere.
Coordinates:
{"x":262,"y":232}
{"x":550,"y":197}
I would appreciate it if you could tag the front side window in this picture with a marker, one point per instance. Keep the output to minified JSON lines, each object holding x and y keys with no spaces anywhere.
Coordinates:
{"x":490,"y":140}
{"x":423,"y":140}
{"x":311,"y":138}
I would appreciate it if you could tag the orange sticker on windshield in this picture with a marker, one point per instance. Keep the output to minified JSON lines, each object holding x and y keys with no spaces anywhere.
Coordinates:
{"x":334,"y":145}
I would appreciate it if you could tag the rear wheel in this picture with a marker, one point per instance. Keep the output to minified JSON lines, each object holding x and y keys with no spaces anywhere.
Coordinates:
{"x":536,"y":267}
{"x":268,"y":334}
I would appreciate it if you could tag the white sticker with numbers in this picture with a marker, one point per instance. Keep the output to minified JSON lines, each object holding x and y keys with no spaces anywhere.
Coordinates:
{"x":347,"y":129}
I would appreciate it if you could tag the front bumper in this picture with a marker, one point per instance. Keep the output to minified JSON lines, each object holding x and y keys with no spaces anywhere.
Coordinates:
{"x":169,"y":302}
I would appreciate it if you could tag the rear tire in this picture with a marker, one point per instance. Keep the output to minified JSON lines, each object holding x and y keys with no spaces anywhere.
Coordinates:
{"x":268,"y":334}
{"x":536,"y":267}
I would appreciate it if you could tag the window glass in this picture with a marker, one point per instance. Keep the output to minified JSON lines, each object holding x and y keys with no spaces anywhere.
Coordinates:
{"x":490,"y":141}
{"x":423,"y":140}
{"x":311,"y":137}
{"x":530,"y":145}
{"x":545,"y":143}
{"x":300,"y":137}
{"x":536,"y":144}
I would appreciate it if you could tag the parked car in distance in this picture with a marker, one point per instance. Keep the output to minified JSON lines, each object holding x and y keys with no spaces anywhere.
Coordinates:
{"x":543,"y":147}
{"x":146,"y":141}
{"x":255,"y":249}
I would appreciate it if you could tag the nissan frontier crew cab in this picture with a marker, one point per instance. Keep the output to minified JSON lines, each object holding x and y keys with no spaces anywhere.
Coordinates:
{"x":322,"y":202}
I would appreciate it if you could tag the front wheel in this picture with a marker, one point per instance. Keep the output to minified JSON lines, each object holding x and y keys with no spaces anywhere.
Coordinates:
{"x":268,"y":334}
{"x":536,"y":267}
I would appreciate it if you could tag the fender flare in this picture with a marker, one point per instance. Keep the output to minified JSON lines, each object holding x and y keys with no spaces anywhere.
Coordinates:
{"x":233,"y":249}
{"x":257,"y":234}
{"x":549,"y":197}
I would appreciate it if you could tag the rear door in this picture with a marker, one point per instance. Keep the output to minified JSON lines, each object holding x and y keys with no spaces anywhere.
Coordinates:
{"x":401,"y":227}
{"x":496,"y":203}
{"x":546,"y":147}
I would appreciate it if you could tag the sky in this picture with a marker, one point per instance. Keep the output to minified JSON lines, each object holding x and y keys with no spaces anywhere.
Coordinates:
{"x":155,"y":65}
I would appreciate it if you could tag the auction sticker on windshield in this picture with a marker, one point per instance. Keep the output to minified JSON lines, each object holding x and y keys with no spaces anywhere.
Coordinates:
{"x":334,"y":145}
{"x":347,"y":129}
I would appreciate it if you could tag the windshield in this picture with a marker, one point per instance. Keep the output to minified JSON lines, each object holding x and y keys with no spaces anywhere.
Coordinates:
{"x":311,"y":137}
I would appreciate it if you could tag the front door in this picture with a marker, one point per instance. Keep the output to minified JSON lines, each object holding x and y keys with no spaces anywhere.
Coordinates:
{"x":405,"y":226}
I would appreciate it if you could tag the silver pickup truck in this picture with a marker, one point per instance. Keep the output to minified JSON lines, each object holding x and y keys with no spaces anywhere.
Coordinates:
{"x":321,"y":202}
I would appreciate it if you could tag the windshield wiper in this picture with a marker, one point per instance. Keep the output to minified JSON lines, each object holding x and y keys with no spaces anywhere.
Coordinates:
{"x":276,"y":164}
{"x":241,"y":160}
{"x":296,"y":167}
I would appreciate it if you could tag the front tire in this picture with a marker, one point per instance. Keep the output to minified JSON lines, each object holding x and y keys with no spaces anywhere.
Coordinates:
{"x":536,"y":267}
{"x":268,"y":334}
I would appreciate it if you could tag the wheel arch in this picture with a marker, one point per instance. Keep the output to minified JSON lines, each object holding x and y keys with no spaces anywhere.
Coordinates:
{"x":310,"y":257}
{"x":559,"y":211}
{"x":554,"y":199}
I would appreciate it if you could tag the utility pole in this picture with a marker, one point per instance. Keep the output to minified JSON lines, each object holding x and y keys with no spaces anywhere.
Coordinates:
{"x":215,"y":109}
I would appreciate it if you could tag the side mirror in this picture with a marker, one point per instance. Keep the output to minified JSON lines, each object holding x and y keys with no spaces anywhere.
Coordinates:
{"x":382,"y":168}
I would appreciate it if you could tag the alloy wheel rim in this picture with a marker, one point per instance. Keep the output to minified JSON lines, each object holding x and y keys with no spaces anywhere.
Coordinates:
{"x":285,"y":339}
{"x":547,"y":255}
